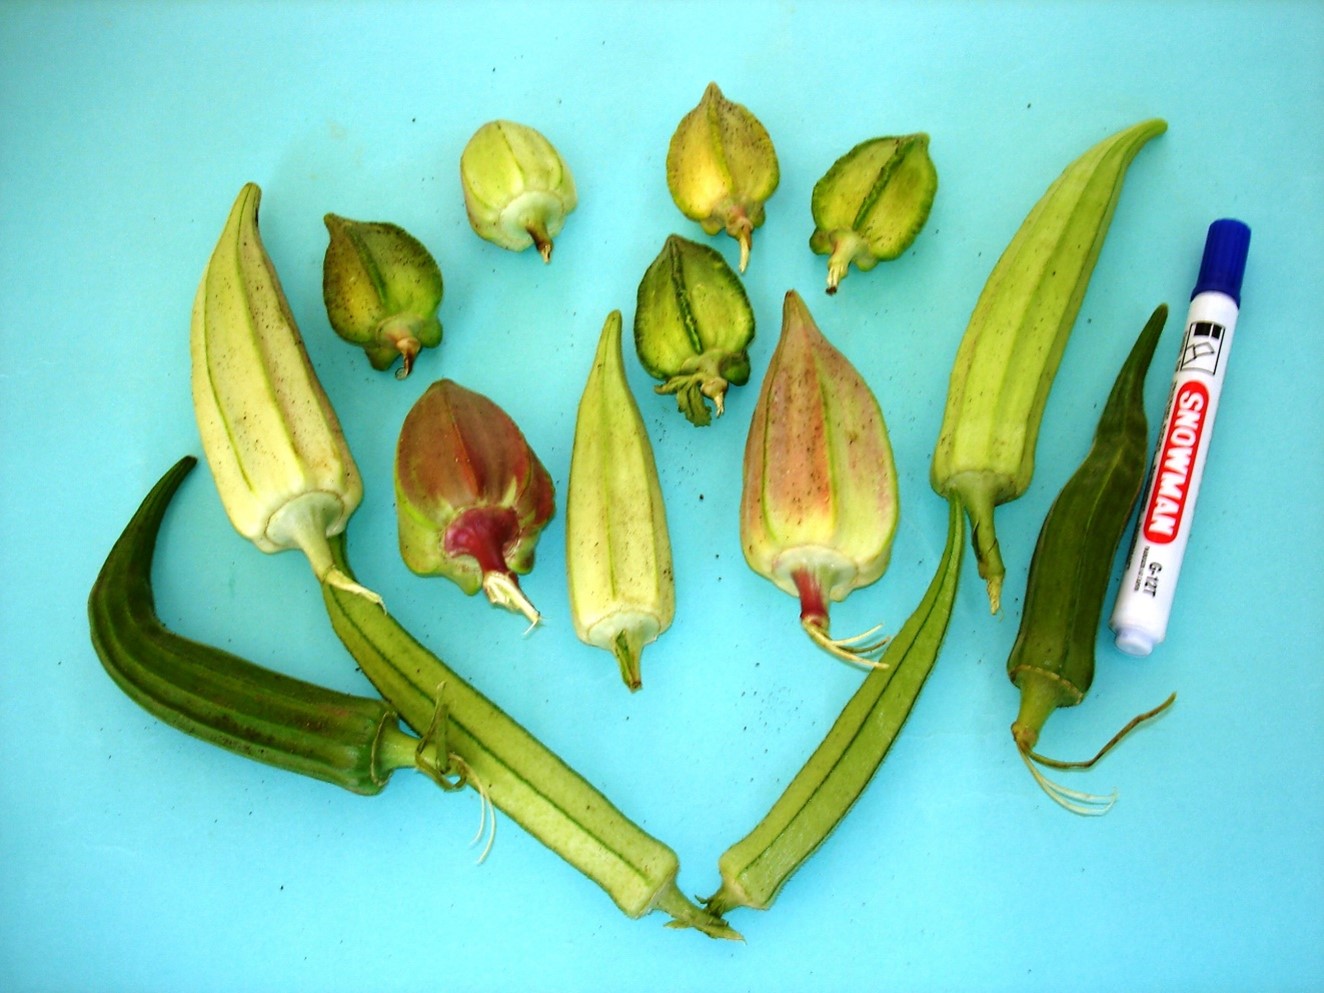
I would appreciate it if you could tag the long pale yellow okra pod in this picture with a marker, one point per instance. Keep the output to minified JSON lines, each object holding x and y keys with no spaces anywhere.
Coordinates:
{"x":275,"y":447}
{"x":1013,"y":344}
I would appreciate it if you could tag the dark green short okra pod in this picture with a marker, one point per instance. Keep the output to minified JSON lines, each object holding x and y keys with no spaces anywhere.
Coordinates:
{"x":351,"y":741}
{"x":1052,"y":660}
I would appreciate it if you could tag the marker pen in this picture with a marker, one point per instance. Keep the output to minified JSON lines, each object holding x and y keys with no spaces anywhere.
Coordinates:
{"x":1144,"y":599}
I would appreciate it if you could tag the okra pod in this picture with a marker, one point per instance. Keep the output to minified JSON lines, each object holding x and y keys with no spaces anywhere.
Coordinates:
{"x":819,"y":504}
{"x":1014,"y":342}
{"x":618,"y":551}
{"x":351,"y":741}
{"x":510,"y":767}
{"x":721,"y":168}
{"x":755,"y":868}
{"x":1052,"y":660}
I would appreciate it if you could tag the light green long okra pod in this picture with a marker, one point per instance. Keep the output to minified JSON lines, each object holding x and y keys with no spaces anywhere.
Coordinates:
{"x":1018,"y":331}
{"x":755,"y":868}
{"x":511,"y":768}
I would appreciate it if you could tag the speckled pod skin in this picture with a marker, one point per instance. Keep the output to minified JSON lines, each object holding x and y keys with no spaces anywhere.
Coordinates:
{"x":382,"y":289}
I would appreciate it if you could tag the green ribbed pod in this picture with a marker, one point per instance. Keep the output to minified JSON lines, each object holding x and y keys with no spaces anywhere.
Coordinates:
{"x":351,"y":741}
{"x":1009,"y":355}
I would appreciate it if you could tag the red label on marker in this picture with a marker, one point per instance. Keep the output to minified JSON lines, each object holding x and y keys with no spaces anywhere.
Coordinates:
{"x":1172,"y":472}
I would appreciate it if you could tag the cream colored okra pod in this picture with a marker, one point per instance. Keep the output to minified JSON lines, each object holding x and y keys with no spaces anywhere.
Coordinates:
{"x":618,"y":551}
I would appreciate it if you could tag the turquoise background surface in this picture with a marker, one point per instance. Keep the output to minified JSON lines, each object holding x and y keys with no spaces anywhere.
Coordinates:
{"x":135,"y":858}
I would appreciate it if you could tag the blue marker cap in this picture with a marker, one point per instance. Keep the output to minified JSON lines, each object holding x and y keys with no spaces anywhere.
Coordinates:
{"x":1224,"y":261}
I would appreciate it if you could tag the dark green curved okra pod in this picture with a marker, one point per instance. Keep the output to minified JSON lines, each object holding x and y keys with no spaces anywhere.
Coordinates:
{"x":351,"y":741}
{"x":1052,"y":660}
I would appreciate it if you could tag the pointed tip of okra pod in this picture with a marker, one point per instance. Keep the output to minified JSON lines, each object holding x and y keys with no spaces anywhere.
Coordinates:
{"x":796,"y":318}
